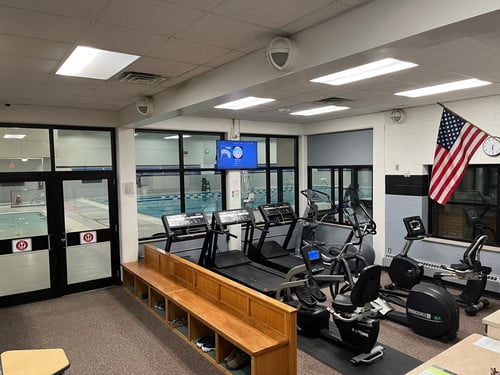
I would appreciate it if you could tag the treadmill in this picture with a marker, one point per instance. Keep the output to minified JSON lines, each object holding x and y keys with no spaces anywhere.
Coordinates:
{"x":271,"y":253}
{"x":185,"y":227}
{"x":234,"y":264}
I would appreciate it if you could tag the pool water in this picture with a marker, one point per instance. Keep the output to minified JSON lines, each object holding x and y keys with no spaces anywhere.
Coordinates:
{"x":22,"y":224}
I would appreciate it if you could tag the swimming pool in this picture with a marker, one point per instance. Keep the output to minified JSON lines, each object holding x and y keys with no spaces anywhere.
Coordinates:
{"x":22,"y":224}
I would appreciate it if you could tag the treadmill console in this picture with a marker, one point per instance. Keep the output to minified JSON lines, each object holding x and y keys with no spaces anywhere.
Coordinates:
{"x":277,"y":212}
{"x":185,"y":223}
{"x":230,"y":217}
{"x":414,"y":226}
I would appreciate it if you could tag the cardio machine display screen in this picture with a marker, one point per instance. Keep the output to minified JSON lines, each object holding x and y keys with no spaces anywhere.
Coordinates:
{"x":313,"y":254}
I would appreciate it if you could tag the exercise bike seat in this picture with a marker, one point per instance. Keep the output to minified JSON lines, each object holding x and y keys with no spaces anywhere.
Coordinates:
{"x":365,"y":290}
{"x":470,"y":260}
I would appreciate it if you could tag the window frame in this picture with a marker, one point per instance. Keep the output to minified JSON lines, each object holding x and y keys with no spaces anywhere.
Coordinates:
{"x":268,"y":168}
{"x":433,"y":224}
{"x":182,"y":170}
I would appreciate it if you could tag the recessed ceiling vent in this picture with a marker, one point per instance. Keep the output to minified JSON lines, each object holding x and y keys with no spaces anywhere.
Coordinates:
{"x":334,"y":100}
{"x":141,"y":78}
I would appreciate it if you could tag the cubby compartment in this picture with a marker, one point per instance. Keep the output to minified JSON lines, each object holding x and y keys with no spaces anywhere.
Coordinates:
{"x":129,"y":282}
{"x":158,"y":303}
{"x":142,"y":291}
{"x":226,"y":350}
{"x":177,"y":318}
{"x":202,"y":336}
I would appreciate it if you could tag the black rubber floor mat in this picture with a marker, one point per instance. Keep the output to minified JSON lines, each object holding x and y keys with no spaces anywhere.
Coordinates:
{"x":393,"y":361}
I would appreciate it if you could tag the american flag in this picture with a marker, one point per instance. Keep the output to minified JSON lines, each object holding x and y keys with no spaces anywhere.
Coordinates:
{"x":457,"y":142}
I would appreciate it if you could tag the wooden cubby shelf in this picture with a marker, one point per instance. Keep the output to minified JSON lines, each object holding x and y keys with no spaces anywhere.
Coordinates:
{"x":199,"y":303}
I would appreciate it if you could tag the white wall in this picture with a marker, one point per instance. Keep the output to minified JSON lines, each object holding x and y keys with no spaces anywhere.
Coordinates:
{"x":411,"y":144}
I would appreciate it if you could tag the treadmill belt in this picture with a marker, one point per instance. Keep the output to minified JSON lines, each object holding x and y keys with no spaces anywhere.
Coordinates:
{"x":253,"y":277}
{"x":287,"y":262}
{"x":339,"y":358}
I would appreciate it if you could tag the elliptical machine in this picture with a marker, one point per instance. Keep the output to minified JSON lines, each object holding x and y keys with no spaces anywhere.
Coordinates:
{"x":312,"y":219}
{"x":352,"y":314}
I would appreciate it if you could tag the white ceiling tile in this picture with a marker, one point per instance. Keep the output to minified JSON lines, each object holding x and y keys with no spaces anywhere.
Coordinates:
{"x":86,"y":9}
{"x":196,"y":71}
{"x":315,"y":18}
{"x":224,"y":59}
{"x":118,"y":39}
{"x":222,"y":32}
{"x":188,"y":51}
{"x":33,"y":47}
{"x":271,"y":14}
{"x":165,"y":68}
{"x":258,"y":43}
{"x":198,"y":4}
{"x":26,"y":64}
{"x":39,"y":25}
{"x":153,"y":16}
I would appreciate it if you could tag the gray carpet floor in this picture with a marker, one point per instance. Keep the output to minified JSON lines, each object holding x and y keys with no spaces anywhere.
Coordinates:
{"x":106,"y":331}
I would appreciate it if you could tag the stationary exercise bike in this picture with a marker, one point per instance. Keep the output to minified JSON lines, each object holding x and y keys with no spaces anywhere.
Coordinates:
{"x":473,"y":272}
{"x":352,"y":314}
{"x":406,"y":272}
{"x":429,"y":310}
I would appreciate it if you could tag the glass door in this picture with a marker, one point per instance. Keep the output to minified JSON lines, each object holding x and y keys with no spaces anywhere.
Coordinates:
{"x":24,"y":239}
{"x":85,"y":241}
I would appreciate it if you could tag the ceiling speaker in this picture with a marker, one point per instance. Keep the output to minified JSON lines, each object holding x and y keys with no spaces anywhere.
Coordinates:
{"x":281,"y":53}
{"x":145,"y":106}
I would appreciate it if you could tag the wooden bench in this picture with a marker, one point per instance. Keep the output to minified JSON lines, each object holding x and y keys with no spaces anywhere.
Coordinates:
{"x":210,"y":304}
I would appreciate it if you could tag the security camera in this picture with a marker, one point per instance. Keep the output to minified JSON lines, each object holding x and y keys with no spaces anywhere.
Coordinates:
{"x":397,"y":116}
{"x":145,"y":106}
{"x":281,"y":53}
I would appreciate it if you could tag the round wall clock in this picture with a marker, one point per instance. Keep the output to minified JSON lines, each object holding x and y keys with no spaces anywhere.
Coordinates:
{"x":491,"y":146}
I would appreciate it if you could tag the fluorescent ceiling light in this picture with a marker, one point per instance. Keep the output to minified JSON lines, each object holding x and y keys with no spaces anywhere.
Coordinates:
{"x":319,"y":110}
{"x":14,"y":136}
{"x":374,"y":69}
{"x":249,"y":101}
{"x":176,"y":136}
{"x":446,"y":87}
{"x":95,"y":63}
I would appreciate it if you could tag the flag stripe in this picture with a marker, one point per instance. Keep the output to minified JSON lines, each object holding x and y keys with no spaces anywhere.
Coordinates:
{"x":457,"y":142}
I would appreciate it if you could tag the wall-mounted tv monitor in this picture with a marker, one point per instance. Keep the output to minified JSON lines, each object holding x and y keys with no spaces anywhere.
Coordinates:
{"x":236,"y":154}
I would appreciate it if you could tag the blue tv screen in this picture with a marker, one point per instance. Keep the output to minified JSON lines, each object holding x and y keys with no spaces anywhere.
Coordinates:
{"x":236,"y":154}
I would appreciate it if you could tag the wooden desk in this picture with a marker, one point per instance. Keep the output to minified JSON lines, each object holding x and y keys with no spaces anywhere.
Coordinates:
{"x":464,"y":358}
{"x":34,"y":362}
{"x":492,"y":325}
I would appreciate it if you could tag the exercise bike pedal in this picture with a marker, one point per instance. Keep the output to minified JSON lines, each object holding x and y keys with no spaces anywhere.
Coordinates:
{"x":304,"y":296}
{"x":376,"y":353}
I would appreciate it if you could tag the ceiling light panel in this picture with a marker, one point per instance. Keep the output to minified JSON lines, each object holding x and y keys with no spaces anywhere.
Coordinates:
{"x":95,"y":63}
{"x":249,"y":101}
{"x":446,"y":87}
{"x":358,"y":73}
{"x":14,"y":136}
{"x":319,"y":110}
